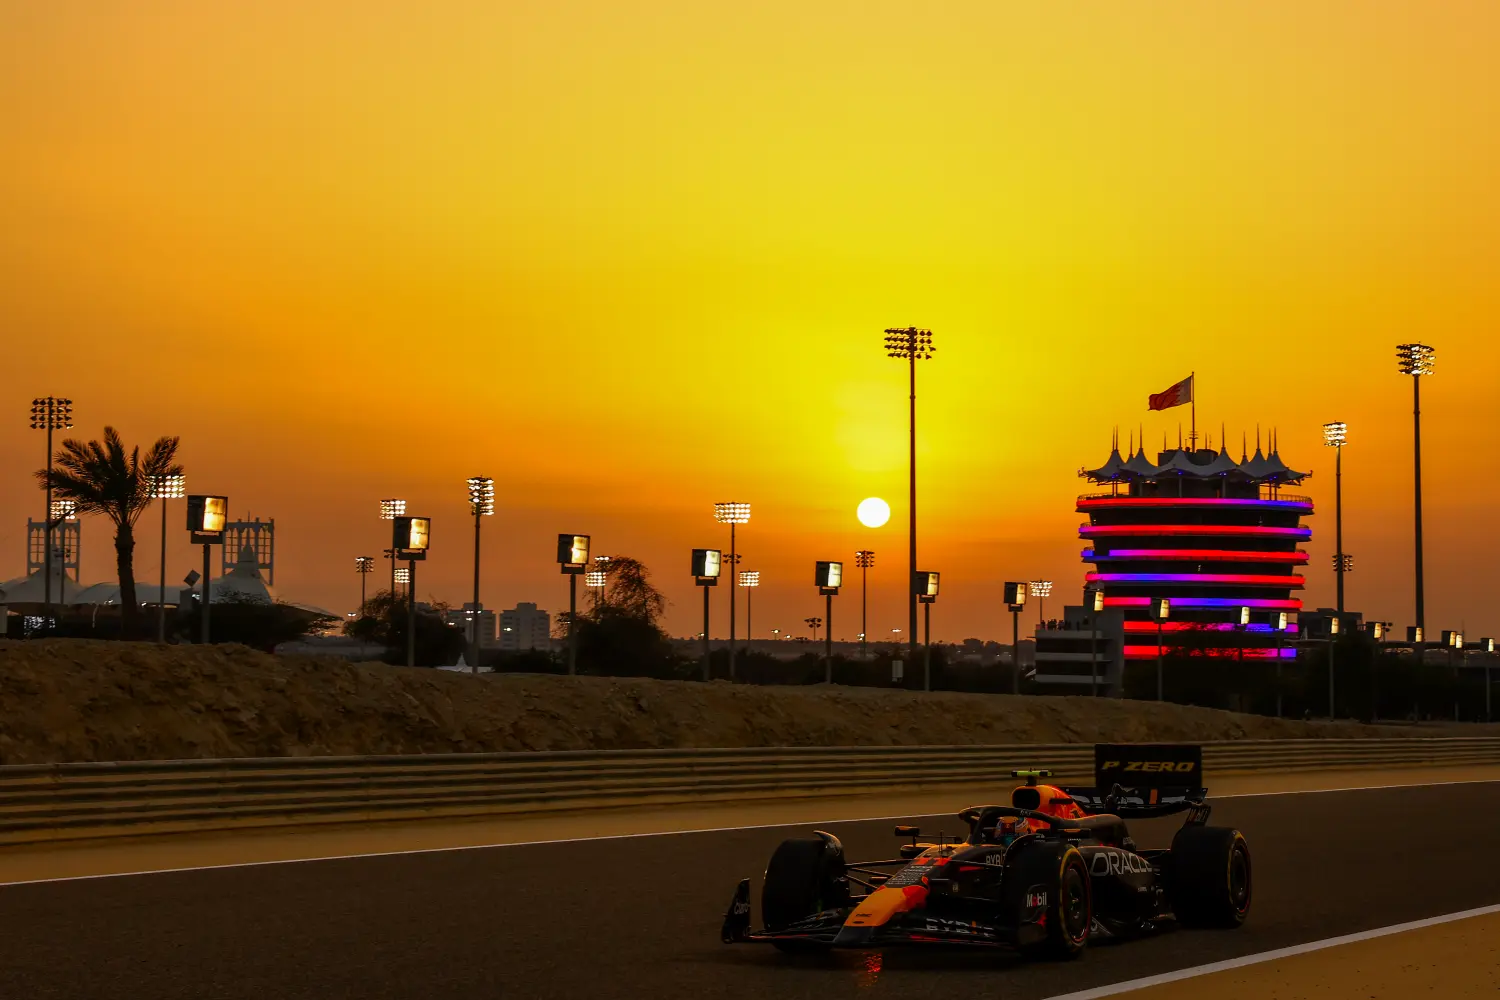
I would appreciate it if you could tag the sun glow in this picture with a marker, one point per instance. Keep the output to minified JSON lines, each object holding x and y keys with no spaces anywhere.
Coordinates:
{"x":873,"y":512}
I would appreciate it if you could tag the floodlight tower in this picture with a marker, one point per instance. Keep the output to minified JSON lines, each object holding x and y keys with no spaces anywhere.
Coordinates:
{"x":911,"y":345}
{"x":481,"y":505}
{"x":364,"y":566}
{"x":597,"y":580}
{"x":732,"y":513}
{"x":164,"y":488}
{"x":1334,"y":435}
{"x":749,"y":579}
{"x":49,"y":413}
{"x":1417,"y":360}
{"x":864,"y":559}
{"x":389,"y":511}
{"x":1041,"y":589}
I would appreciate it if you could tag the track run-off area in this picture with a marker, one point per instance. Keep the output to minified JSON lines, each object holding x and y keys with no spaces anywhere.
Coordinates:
{"x":638,"y":916}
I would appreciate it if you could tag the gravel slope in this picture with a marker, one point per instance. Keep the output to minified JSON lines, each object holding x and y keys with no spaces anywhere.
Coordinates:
{"x":82,"y":701}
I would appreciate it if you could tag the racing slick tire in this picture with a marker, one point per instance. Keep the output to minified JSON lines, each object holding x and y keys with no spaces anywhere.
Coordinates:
{"x":1063,"y":875}
{"x":1210,"y":877}
{"x":804,"y":877}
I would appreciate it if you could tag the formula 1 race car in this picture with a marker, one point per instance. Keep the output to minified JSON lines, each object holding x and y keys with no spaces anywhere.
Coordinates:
{"x":1044,"y":875}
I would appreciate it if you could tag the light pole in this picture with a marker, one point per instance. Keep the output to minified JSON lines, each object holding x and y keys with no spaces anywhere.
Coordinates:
{"x":481,"y":505}
{"x":749,"y":579}
{"x":49,"y":413}
{"x":389,"y":511}
{"x":1161,"y":610}
{"x":364,"y":566}
{"x":926,"y":586}
{"x":1487,"y":647}
{"x":1015,"y":600}
{"x":1417,"y":360}
{"x":1454,"y":641}
{"x":814,"y":623}
{"x":403,"y":579}
{"x":911,"y":345}
{"x":1041,"y":590}
{"x":410,"y":538}
{"x":573,"y":559}
{"x":829,"y":577}
{"x":164,"y":488}
{"x":1334,"y":435}
{"x":1333,"y":637}
{"x":732,"y":513}
{"x":707,"y":565}
{"x":864,"y":559}
{"x":1096,"y":605}
{"x":1278,"y":625}
{"x":206,"y":518}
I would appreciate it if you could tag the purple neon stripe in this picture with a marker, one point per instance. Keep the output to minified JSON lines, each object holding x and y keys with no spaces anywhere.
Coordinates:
{"x":1190,"y":502}
{"x":1263,"y":603}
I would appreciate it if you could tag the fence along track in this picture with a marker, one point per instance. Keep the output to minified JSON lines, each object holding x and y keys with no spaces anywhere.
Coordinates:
{"x":45,"y":802}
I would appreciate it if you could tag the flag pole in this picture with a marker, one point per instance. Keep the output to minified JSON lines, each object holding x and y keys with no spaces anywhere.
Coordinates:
{"x":1193,"y":403}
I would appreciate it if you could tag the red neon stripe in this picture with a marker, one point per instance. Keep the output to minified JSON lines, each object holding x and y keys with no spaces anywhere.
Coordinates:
{"x":1191,"y":502}
{"x":1203,"y":555}
{"x":1200,"y":579}
{"x":1218,"y":653}
{"x":1167,"y":530}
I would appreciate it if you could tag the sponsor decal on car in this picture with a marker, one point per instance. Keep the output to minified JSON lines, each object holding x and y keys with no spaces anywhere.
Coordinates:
{"x":1035,"y":899}
{"x":1113,"y":862}
{"x":1183,"y":766}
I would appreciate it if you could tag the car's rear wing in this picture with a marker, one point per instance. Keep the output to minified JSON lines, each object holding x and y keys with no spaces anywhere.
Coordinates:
{"x":1143,"y":779}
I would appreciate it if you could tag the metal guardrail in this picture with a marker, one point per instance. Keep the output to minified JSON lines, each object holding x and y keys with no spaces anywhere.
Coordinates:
{"x":44,"y":802}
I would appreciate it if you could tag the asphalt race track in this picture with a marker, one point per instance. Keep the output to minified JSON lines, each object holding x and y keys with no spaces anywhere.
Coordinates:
{"x":640,"y":917}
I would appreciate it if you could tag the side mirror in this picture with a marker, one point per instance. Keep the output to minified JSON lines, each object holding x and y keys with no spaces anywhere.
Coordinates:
{"x":908,"y":831}
{"x":909,"y":851}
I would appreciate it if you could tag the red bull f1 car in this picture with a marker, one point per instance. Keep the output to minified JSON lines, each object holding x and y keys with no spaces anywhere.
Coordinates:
{"x":1043,"y":875}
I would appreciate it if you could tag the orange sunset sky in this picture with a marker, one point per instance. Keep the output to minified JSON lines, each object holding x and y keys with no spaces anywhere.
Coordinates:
{"x":630,"y":258}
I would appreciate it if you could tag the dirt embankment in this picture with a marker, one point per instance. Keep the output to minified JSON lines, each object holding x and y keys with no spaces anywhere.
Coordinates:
{"x":85,"y":701}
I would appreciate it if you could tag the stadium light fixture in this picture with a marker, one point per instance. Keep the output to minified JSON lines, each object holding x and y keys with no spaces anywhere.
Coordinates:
{"x":733,"y":513}
{"x":829,"y":576}
{"x":364,"y":566}
{"x":1334,"y":436}
{"x":1041,"y":590}
{"x":749,"y":579}
{"x":1417,"y":360}
{"x":911,"y":344}
{"x":49,"y":413}
{"x":206,"y":519}
{"x":708,"y":564}
{"x":164,"y":488}
{"x":481,"y":505}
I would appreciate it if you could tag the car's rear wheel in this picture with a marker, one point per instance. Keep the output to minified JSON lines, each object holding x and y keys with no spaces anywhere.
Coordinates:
{"x":1210,"y":877}
{"x":1059,"y":872}
{"x":804,"y":877}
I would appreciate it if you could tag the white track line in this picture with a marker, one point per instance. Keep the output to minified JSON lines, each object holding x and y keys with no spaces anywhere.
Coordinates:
{"x":1270,"y":956}
{"x":669,"y":833}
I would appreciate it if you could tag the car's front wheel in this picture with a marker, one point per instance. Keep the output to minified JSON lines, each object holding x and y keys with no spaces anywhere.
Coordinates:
{"x":804,"y":877}
{"x":1048,"y":889}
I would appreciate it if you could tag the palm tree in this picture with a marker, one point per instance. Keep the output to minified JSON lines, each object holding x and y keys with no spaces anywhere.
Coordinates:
{"x":102,"y":479}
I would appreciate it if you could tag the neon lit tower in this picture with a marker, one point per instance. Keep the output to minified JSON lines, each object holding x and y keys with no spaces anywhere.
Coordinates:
{"x":1211,"y":534}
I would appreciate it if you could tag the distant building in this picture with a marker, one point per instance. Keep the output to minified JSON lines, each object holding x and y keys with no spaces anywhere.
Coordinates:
{"x":525,"y":626}
{"x":462,"y":618}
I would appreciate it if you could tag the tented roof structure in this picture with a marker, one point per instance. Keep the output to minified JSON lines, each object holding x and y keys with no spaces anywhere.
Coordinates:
{"x":1201,"y":464}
